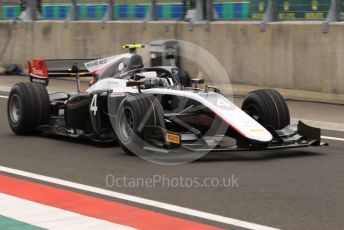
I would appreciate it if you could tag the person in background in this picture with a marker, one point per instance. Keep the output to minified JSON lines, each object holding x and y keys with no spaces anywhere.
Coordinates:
{"x":23,"y":4}
{"x":39,"y":6}
{"x":188,"y":4}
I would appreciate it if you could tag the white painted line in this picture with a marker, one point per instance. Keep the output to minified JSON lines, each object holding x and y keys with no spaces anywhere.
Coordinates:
{"x":48,"y":217}
{"x":3,"y":96}
{"x":157,"y":204}
{"x":332,"y":138}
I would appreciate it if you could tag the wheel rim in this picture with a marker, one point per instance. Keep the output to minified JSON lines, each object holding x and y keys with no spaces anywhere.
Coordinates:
{"x":15,"y":108}
{"x":127,"y":123}
{"x":253,"y":112}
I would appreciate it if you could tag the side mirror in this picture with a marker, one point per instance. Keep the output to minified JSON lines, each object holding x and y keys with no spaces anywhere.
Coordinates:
{"x":196,"y":81}
{"x":216,"y":90}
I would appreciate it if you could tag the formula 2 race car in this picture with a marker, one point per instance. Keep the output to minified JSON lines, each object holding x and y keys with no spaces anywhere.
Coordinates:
{"x":150,"y":109}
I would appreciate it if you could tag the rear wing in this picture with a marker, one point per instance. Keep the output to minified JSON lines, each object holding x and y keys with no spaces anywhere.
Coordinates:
{"x":41,"y":70}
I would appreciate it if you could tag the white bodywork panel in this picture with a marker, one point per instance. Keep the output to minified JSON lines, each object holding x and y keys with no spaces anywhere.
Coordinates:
{"x":117,"y":85}
{"x":221,"y":106}
{"x":99,"y":65}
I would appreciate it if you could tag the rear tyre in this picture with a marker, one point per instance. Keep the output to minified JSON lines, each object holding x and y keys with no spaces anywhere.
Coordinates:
{"x":134,"y":113}
{"x":28,"y":107}
{"x":268,"y":107}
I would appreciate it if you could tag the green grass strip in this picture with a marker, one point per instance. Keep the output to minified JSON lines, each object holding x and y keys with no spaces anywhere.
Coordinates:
{"x":11,"y":224}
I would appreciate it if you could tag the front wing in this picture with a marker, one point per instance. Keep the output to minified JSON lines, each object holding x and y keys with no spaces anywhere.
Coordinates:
{"x":298,"y":136}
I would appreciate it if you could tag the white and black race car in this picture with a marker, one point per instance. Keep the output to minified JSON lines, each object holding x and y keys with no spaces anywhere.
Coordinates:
{"x":151,"y":109}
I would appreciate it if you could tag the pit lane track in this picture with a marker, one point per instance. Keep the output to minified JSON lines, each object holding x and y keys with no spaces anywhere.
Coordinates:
{"x":284,"y":189}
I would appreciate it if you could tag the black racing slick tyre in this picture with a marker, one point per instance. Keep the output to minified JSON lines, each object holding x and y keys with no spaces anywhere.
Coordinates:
{"x":28,"y":107}
{"x":134,"y":113}
{"x":268,"y":107}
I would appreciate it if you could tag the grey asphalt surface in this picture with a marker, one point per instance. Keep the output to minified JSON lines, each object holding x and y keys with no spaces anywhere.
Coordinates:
{"x":287,"y":189}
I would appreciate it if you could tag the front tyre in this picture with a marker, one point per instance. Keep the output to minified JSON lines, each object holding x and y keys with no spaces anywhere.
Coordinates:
{"x":135,"y":113}
{"x":268,"y":107}
{"x":28,"y":107}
